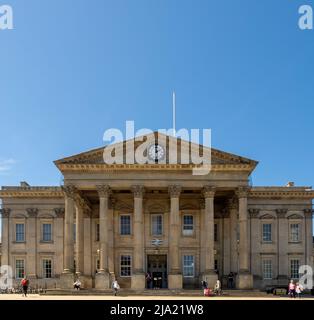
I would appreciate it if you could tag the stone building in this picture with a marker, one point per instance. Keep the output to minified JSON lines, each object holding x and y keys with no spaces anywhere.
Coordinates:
{"x":125,"y":220}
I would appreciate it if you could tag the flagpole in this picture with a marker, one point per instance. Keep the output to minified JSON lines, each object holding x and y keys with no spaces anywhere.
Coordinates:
{"x":174,"y":113}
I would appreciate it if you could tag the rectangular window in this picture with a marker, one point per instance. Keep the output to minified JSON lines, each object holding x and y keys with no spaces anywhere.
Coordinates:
{"x":267,"y":232}
{"x":295,"y":232}
{"x":20,"y":232}
{"x":267,"y":269}
{"x":47,"y":232}
{"x":97,"y":232}
{"x":125,"y":266}
{"x":188,"y":225}
{"x":294,"y":268}
{"x":47,"y":268}
{"x":188,"y":266}
{"x":215,"y":232}
{"x":125,"y":225}
{"x":156,"y":224}
{"x":19,"y":269}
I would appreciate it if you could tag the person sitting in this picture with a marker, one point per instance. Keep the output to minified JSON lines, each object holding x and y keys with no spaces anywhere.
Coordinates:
{"x":77,"y":285}
{"x":217,"y":288}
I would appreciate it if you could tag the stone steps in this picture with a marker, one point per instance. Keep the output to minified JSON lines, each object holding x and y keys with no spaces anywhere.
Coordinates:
{"x":160,"y":292}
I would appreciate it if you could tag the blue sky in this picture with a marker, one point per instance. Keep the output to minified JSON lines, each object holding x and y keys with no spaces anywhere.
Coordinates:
{"x":72,"y":69}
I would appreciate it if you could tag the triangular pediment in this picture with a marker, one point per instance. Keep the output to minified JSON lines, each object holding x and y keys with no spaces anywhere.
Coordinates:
{"x":184,"y":150}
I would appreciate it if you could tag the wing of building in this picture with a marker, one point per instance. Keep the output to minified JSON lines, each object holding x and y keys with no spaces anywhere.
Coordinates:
{"x":156,"y":225}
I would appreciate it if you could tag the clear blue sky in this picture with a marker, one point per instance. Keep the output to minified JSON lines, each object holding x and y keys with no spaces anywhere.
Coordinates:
{"x":72,"y":69}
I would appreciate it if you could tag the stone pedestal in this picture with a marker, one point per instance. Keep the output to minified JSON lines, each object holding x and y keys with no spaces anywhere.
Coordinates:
{"x":138,"y":281}
{"x":244,"y":281}
{"x":210,"y":278}
{"x":175,"y":281}
{"x":66,"y":280}
{"x":102,"y":281}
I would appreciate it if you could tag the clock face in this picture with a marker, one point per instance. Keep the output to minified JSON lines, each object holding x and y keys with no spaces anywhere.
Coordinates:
{"x":156,"y":152}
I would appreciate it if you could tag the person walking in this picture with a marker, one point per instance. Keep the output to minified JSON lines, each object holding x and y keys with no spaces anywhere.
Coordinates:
{"x":291,"y":289}
{"x":115,"y":287}
{"x":298,"y":289}
{"x":149,"y":280}
{"x":230,"y":280}
{"x":25,"y":285}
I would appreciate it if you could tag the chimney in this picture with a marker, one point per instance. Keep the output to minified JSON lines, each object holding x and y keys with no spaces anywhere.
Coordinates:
{"x":290,"y":184}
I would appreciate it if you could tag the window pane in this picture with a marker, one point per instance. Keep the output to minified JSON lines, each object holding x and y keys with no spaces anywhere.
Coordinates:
{"x":188,"y":224}
{"x":125,"y":225}
{"x":267,"y":232}
{"x":19,"y":269}
{"x":294,"y":268}
{"x":295,"y":232}
{"x":47,"y":236}
{"x":125,"y":266}
{"x":188,"y":266}
{"x":19,"y":232}
{"x":267,"y":269}
{"x":47,"y":268}
{"x":157,"y":224}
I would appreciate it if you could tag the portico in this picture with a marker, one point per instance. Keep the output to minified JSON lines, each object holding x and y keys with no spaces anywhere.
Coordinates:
{"x":124,"y":220}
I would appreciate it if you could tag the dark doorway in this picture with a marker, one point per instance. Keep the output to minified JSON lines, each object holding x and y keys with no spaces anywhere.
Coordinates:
{"x":157,"y":272}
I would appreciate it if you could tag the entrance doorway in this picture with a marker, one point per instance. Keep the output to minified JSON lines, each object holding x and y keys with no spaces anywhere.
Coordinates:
{"x":157,"y":271}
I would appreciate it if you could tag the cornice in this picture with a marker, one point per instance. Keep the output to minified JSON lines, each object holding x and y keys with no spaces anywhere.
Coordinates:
{"x":300,"y":194}
{"x":33,"y":192}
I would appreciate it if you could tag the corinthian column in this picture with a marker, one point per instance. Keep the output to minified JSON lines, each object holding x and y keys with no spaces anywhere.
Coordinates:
{"x":102,"y":277}
{"x":67,"y":277}
{"x":244,"y":279}
{"x":31,"y":240}
{"x":79,"y":237}
{"x":138,"y":276}
{"x":175,"y":276}
{"x":209,"y":274}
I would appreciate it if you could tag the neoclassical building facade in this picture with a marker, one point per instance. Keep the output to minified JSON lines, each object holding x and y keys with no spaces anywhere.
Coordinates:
{"x":126,"y":220}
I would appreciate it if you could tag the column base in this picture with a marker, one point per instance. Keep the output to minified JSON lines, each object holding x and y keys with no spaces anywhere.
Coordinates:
{"x":138,"y":281}
{"x":211,"y":278}
{"x":244,"y":281}
{"x":102,"y":281}
{"x":175,"y":281}
{"x":66,"y":280}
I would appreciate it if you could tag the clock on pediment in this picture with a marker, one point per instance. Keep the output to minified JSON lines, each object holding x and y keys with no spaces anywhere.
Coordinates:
{"x":156,"y":152}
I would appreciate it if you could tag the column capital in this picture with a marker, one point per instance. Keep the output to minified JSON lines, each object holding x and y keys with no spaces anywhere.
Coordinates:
{"x":242,"y":192}
{"x":281,"y":213}
{"x":308,"y":213}
{"x":69,"y":191}
{"x":5,"y":212}
{"x":32,"y":212}
{"x":254,"y":213}
{"x":104,"y":191}
{"x":209,"y":191}
{"x":59,"y":212}
{"x":138,"y":191}
{"x":174,"y":190}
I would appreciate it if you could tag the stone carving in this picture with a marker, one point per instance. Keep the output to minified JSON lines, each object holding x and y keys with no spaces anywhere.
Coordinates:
{"x":281,"y":213}
{"x":308,"y":213}
{"x":242,"y":192}
{"x":138,"y":191}
{"x":104,"y":191}
{"x":59,"y":212}
{"x":208,"y":191}
{"x":5,"y":212}
{"x":32,"y":212}
{"x":254,"y":213}
{"x":174,"y":190}
{"x":70,"y":191}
